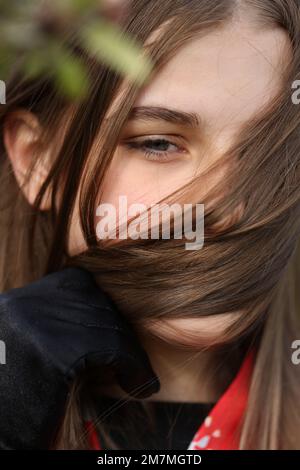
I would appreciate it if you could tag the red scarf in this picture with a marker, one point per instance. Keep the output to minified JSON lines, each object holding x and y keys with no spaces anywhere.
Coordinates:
{"x":221,"y":428}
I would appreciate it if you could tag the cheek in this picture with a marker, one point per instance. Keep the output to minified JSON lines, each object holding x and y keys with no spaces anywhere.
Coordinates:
{"x":147,"y":182}
{"x":143,"y":181}
{"x":140,"y":181}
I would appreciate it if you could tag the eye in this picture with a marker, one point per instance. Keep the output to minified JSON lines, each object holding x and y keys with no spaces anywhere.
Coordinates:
{"x":159,"y":149}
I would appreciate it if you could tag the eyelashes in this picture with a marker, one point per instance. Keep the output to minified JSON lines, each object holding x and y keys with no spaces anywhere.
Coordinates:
{"x":158,"y":149}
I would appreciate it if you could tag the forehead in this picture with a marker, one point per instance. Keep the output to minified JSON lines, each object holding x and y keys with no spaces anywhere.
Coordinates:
{"x":225,"y":76}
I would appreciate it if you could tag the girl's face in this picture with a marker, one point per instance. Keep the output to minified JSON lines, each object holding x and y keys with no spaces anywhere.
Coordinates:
{"x":183,"y":121}
{"x":188,"y":115}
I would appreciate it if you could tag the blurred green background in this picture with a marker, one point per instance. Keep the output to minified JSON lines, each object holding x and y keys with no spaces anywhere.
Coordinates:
{"x":34,"y":35}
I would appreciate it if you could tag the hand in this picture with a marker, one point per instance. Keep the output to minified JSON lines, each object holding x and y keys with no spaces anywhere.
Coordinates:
{"x":53,"y":329}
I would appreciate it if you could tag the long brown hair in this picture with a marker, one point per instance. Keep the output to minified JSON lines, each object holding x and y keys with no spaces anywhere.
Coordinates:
{"x":249,"y":267}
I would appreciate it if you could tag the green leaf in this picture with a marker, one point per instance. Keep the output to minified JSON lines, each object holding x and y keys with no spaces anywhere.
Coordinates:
{"x":70,"y":75}
{"x":105,"y":41}
{"x":74,"y":6}
{"x":35,"y":64}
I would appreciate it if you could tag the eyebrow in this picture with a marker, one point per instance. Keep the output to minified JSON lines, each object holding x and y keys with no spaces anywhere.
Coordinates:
{"x":157,"y":113}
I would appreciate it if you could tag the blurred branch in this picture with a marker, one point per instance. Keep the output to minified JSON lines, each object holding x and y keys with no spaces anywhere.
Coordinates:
{"x":37,"y":31}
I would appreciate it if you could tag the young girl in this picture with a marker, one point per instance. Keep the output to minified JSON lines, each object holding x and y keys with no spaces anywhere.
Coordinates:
{"x":216,"y":125}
